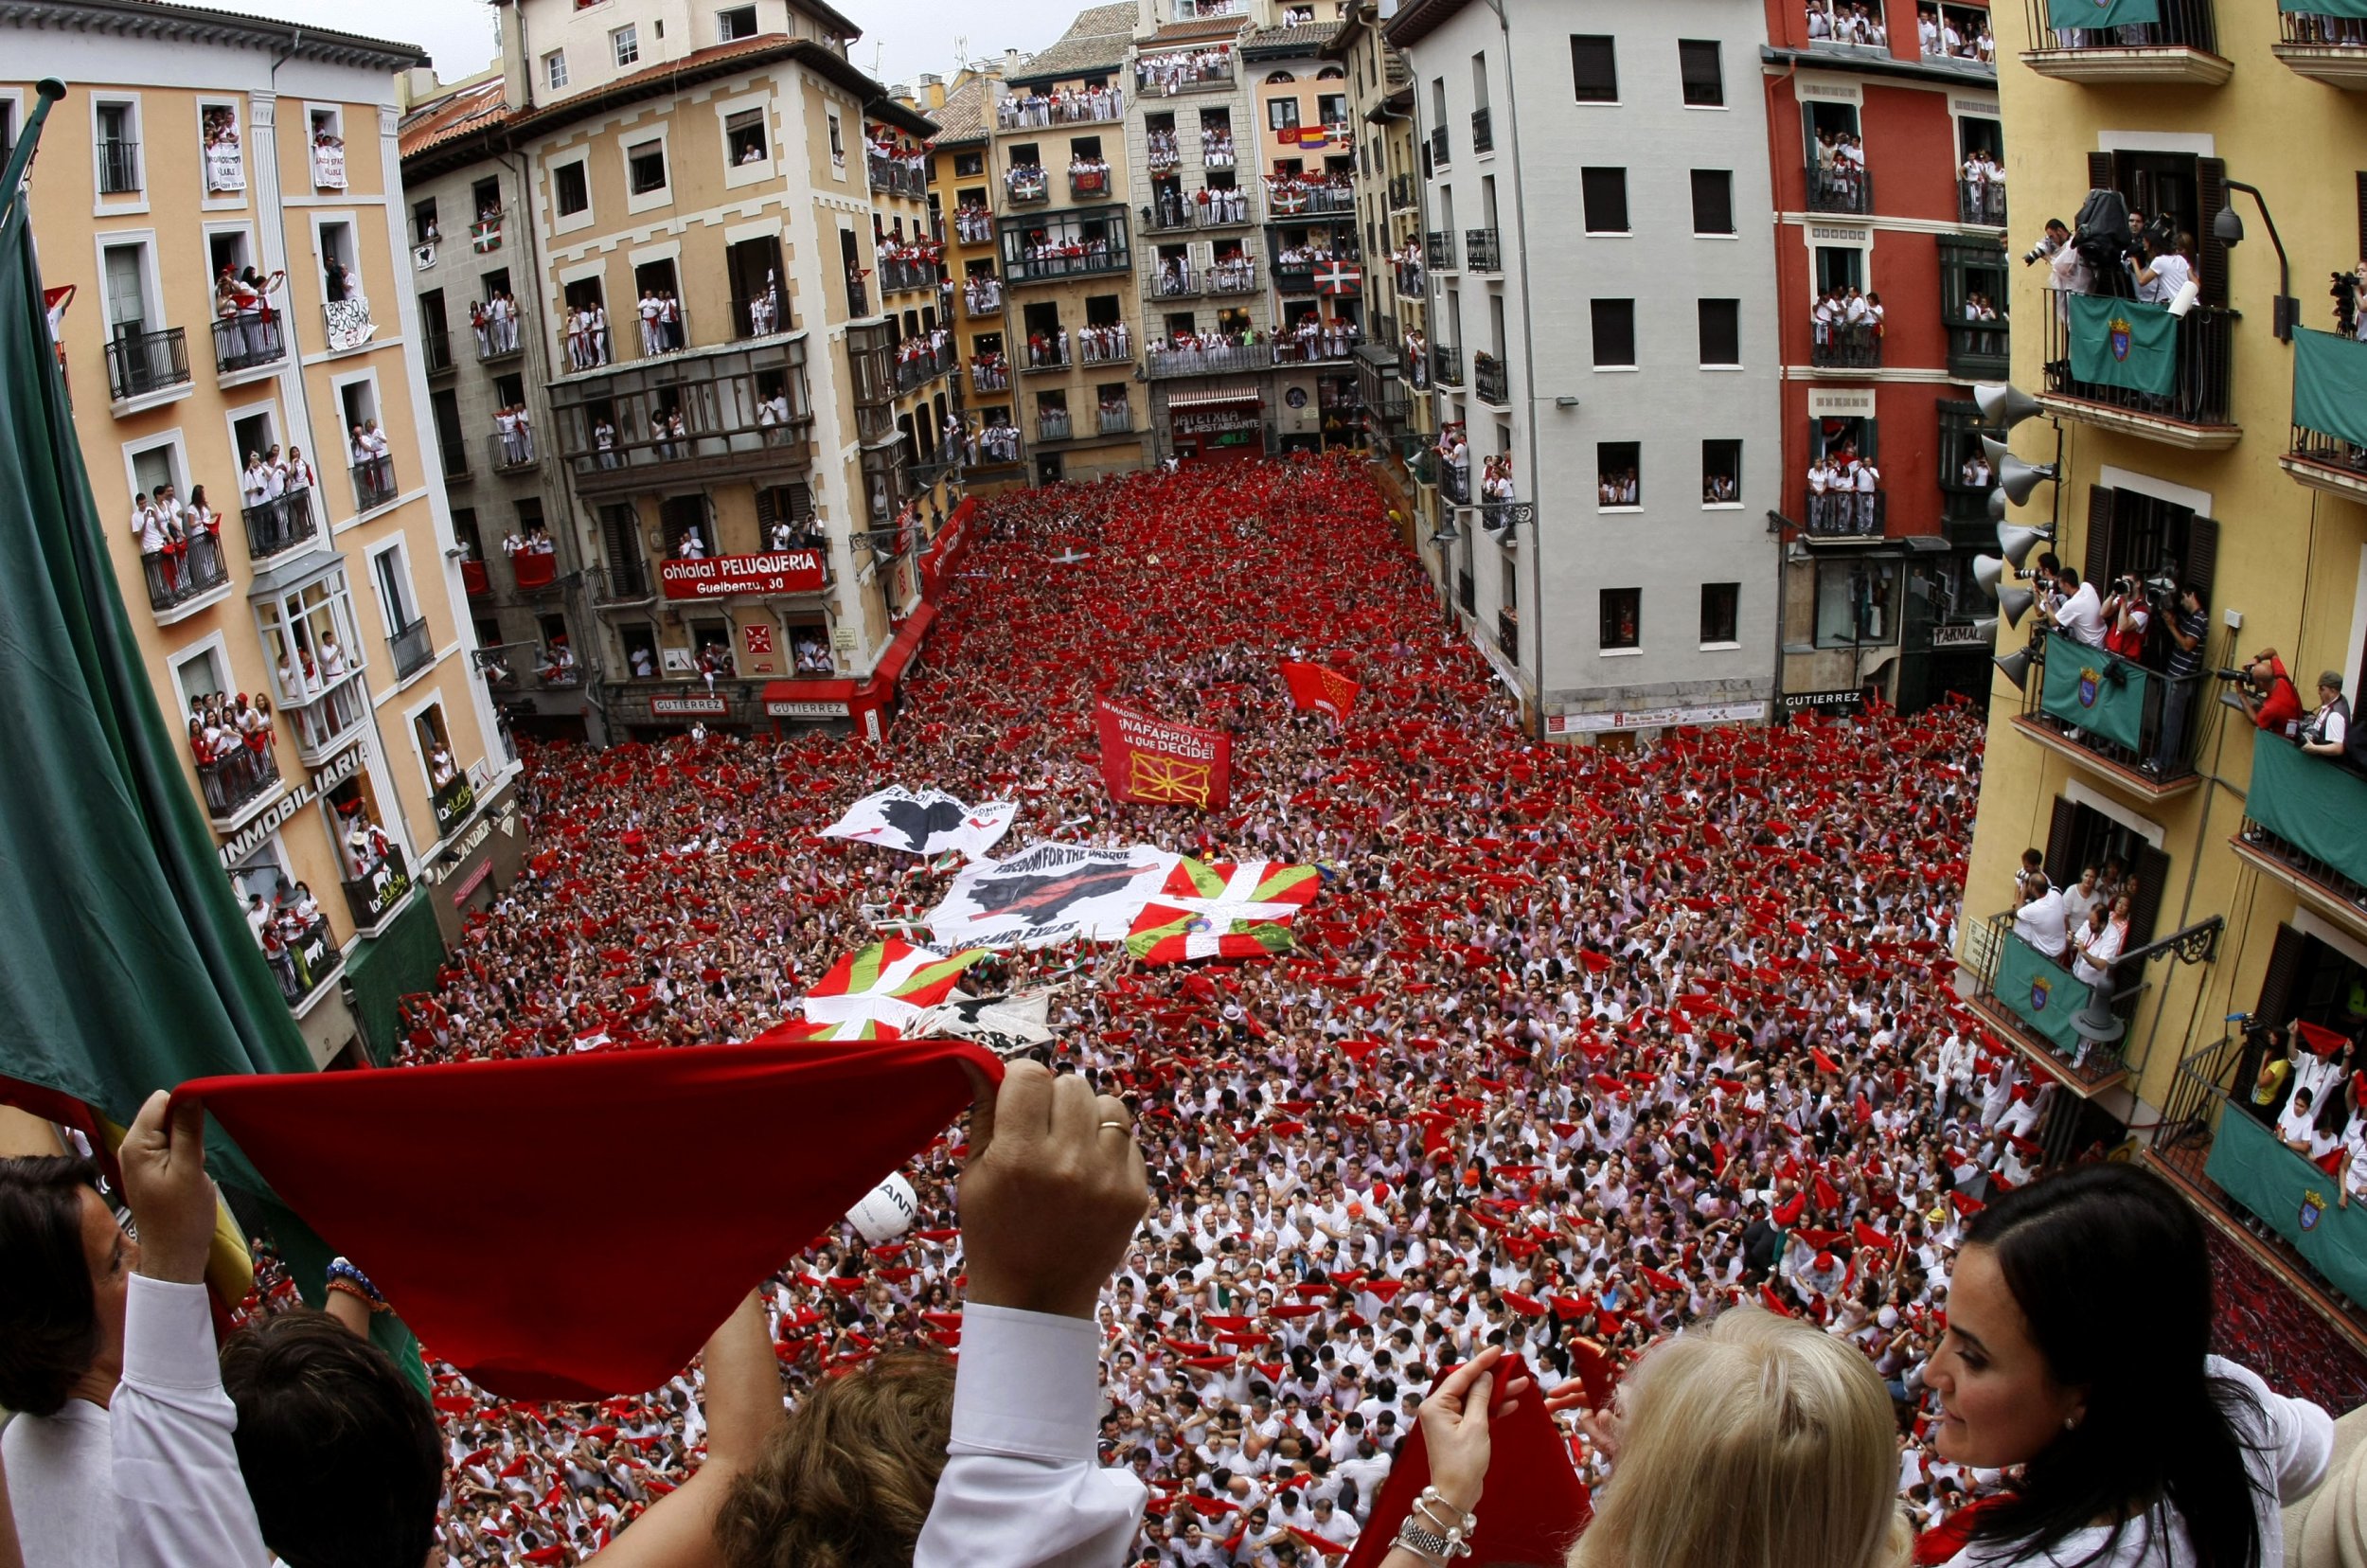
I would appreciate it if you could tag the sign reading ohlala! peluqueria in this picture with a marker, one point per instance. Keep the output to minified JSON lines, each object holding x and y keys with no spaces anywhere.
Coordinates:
{"x":776,"y":572}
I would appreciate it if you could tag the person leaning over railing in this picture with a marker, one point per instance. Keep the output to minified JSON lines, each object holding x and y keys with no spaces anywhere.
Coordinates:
{"x":2268,"y":694}
{"x":2329,"y":732}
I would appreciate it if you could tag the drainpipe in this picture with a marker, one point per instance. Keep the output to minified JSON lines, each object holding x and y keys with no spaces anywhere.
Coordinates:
{"x":1782,"y":437}
{"x":1528,"y":349}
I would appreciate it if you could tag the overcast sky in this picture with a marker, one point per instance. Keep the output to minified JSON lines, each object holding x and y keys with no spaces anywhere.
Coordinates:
{"x":901,"y":38}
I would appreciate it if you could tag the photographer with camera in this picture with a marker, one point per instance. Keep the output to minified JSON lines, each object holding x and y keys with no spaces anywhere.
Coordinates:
{"x":2127,"y":612}
{"x":2068,"y":271}
{"x":2080,"y":616}
{"x":2185,"y":624}
{"x":2268,"y":692}
{"x":2329,"y":732}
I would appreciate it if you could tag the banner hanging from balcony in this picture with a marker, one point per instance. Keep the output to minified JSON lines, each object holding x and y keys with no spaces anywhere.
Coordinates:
{"x":2312,"y":803}
{"x":2102,"y":13}
{"x":2122,"y":342}
{"x":713,"y":577}
{"x":1158,"y":762}
{"x":2330,"y":378}
{"x":1051,"y":893}
{"x":2038,"y":991}
{"x":2326,"y":7}
{"x":2092,"y":691}
{"x":2291,"y":1194}
{"x":924,"y":821}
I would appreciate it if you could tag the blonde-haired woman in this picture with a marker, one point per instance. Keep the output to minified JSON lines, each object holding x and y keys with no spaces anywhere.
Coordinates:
{"x":1752,"y":1442}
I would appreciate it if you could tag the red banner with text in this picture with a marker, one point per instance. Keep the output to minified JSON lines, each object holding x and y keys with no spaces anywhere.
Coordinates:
{"x":1158,"y":762}
{"x":776,"y":572}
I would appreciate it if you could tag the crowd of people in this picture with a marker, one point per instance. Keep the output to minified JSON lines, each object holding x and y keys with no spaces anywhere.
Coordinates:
{"x":1216,"y":142}
{"x":662,"y":330}
{"x":1955,"y":34}
{"x":1847,"y":22}
{"x":1209,"y":206}
{"x":1574,"y":1048}
{"x":584,"y":331}
{"x":1838,"y":173}
{"x":247,"y":331}
{"x":1844,"y":489}
{"x":1845,"y":326}
{"x":231,"y":742}
{"x":494,"y":320}
{"x":1177,"y":69}
{"x":1079,"y":105}
{"x":1984,"y":187}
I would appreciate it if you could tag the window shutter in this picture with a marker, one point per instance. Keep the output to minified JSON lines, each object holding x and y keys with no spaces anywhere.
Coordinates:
{"x":2062,"y":843}
{"x":2211,"y":195}
{"x":765,"y":515}
{"x":2101,"y":504}
{"x":621,"y":539}
{"x":1868,"y":447}
{"x":2202,"y":554}
{"x":2275,"y":1008}
{"x":2144,"y":906}
{"x":2101,"y":172}
{"x":2361,"y":178}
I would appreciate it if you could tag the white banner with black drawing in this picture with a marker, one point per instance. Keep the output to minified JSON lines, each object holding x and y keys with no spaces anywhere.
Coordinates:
{"x":1051,"y":893}
{"x":924,"y":821}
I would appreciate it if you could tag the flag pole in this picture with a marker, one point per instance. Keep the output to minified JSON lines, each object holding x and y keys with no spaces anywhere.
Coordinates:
{"x":50,"y":90}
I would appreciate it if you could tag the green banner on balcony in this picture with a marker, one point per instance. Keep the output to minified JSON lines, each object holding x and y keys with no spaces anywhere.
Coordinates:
{"x":2330,"y":378}
{"x":2038,"y":991}
{"x":2122,"y":342}
{"x":2101,"y":13}
{"x":2293,"y":1196}
{"x":2091,"y":690}
{"x":2312,"y":803}
{"x":2326,"y":7}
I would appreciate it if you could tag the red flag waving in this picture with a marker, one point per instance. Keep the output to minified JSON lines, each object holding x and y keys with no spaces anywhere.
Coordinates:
{"x":1161,"y":762}
{"x":1313,"y":687}
{"x":467,"y":1190}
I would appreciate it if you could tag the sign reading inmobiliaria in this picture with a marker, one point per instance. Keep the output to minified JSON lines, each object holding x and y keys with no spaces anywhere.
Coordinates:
{"x":1162,"y":763}
{"x":778,"y":572}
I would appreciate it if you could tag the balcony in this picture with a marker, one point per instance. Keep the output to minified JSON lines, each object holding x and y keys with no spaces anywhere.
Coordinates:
{"x":974,"y":226}
{"x":1480,"y":252}
{"x":989,"y":377}
{"x":752,"y":317}
{"x":621,"y":585}
{"x":235,"y":781}
{"x":897,"y":177}
{"x":139,"y":364}
{"x":922,"y":367}
{"x":1437,"y":148}
{"x":2030,"y":998}
{"x":2329,"y":444}
{"x":1843,"y":516}
{"x":1454,"y":483}
{"x":1104,"y":348}
{"x":1297,"y":199}
{"x":1508,"y":626}
{"x":900,"y":275}
{"x":1982,"y":201}
{"x":374,"y":483}
{"x":1053,"y":425}
{"x":1211,"y":207}
{"x":1490,"y":384}
{"x":1332,"y":343}
{"x":327,"y":725}
{"x":411,"y":648}
{"x":1171,"y":281}
{"x":246,"y":342}
{"x":182,"y":585}
{"x":1116,"y":419}
{"x":1405,"y":192}
{"x":737,"y":412}
{"x":1026,"y":187}
{"x":1979,"y":350}
{"x":2135,"y":727}
{"x":512,"y":454}
{"x":1842,"y":189}
{"x":372,"y":897}
{"x":1438,"y":250}
{"x":306,"y":966}
{"x":475,"y":580}
{"x":982,"y":298}
{"x":1294,"y":278}
{"x":1846,"y":347}
{"x":2182,"y":46}
{"x":1165,"y":76}
{"x":452,"y":802}
{"x":499,"y":340}
{"x":534,"y":570}
{"x":2301,"y":825}
{"x":1083,"y":263}
{"x":280,"y":524}
{"x":1095,"y":106}
{"x":1482,"y":132}
{"x":435,"y":349}
{"x":1089,"y":184}
{"x":1230,"y":275}
{"x":1165,"y":361}
{"x":1446,"y":364}
{"x":2332,"y":49}
{"x":119,"y":168}
{"x":1051,"y":354}
{"x":2195,"y":413}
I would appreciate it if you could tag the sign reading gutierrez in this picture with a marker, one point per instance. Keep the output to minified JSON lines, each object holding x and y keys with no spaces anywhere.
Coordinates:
{"x":710,"y":577}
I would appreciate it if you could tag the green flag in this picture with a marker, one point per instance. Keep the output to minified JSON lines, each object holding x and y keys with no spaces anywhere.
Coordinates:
{"x":125,"y":966}
{"x":2092,"y":690}
{"x":2326,"y":7}
{"x":2330,"y":384}
{"x":2122,"y":342}
{"x":2039,"y":991}
{"x":2101,"y":13}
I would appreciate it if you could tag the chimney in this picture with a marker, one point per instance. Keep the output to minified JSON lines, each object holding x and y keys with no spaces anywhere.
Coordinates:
{"x":1010,"y":62}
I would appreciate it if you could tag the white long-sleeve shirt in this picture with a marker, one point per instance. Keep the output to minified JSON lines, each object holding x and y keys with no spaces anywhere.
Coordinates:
{"x":1022,"y":1487}
{"x":181,"y":1501}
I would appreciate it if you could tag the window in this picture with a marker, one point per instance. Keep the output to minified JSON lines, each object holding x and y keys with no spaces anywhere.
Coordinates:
{"x":1721,"y":331}
{"x":1282,"y":114}
{"x":645,"y":164}
{"x":838,"y":142}
{"x":1622,"y":615}
{"x":571,"y":189}
{"x":739,"y":21}
{"x":1854,"y":601}
{"x":1619,"y":467}
{"x":555,"y":68}
{"x":1719,"y":602}
{"x":1595,"y":68}
{"x":1701,"y":72}
{"x":626,"y":41}
{"x":423,"y":228}
{"x":1606,"y":193}
{"x":394,"y":588}
{"x":743,"y":137}
{"x":119,"y":149}
{"x":1840,"y":267}
{"x":1615,"y":333}
{"x":1721,"y":473}
{"x":970,"y":166}
{"x":1713,"y":201}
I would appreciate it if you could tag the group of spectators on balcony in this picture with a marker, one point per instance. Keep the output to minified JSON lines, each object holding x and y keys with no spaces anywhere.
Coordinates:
{"x":1412,"y":272}
{"x":1216,"y":146}
{"x":918,"y":251}
{"x":495,"y":319}
{"x":1232,"y":272}
{"x":1060,"y":106}
{"x":1842,"y":488}
{"x":1984,"y":180}
{"x":586,"y":331}
{"x":1719,"y":488}
{"x":1210,"y":203}
{"x":988,"y":371}
{"x":1090,"y":251}
{"x":764,"y":306}
{"x":284,"y":928}
{"x":1287,"y":193}
{"x":998,"y":440}
{"x":1048,"y":350}
{"x":1313,"y":337}
{"x":1104,"y":345}
{"x":907,"y":156}
{"x":983,"y":293}
{"x":514,"y":429}
{"x":268,"y":477}
{"x":231,"y":740}
{"x":1845,"y":319}
{"x":226,"y":157}
{"x":1161,"y":149}
{"x":536,"y":541}
{"x":974,"y":224}
{"x":1830,"y":22}
{"x":373,"y":463}
{"x":1454,"y":451}
{"x":1089,"y":174}
{"x":669,"y":436}
{"x":1840,"y":167}
{"x":304,"y":670}
{"x":2311,"y":1087}
{"x":1416,"y":359}
{"x":1981,"y":313}
{"x":2120,"y":618}
{"x":933,"y":348}
{"x":1189,"y":346}
{"x":1181,"y":68}
{"x":1312,"y":253}
{"x":2084,"y":927}
{"x":1941,"y":39}
{"x":1027,"y":183}
{"x":249,"y":331}
{"x":661,"y":322}
{"x":1496,"y":484}
{"x":180,"y":544}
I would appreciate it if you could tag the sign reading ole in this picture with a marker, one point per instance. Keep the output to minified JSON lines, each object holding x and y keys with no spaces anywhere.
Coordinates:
{"x":778,"y":572}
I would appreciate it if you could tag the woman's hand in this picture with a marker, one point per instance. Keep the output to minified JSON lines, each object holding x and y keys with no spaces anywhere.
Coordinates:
{"x":1454,"y":1426}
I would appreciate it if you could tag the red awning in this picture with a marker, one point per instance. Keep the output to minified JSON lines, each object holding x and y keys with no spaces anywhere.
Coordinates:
{"x":809,"y":692}
{"x":907,"y":643}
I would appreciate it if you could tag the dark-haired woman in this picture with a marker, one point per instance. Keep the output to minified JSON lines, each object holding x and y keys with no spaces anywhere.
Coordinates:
{"x":2077,"y":1348}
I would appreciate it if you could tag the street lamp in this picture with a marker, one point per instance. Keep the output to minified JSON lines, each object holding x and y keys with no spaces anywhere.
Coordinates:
{"x":2228,"y":229}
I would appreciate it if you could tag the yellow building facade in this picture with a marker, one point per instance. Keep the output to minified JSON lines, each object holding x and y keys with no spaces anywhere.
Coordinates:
{"x":221,"y":195}
{"x":2238,"y":849}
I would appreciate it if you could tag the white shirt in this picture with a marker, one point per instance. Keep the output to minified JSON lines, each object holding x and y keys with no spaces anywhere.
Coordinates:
{"x":2082,"y":617}
{"x":2287,"y":1447}
{"x":1021,"y":1487}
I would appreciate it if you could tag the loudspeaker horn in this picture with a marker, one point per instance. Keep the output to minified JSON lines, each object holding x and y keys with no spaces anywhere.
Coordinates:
{"x":1997,"y":506}
{"x":2016,"y":542}
{"x":1997,"y":451}
{"x":1988,"y":570}
{"x":2004,"y":405}
{"x":2018,"y":478}
{"x":1447,"y":533}
{"x":2014,"y":666}
{"x":1986,"y":627}
{"x":2014,"y":603}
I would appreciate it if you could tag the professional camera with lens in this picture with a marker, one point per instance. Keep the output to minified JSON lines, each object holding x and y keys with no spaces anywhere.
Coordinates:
{"x":2039,"y":252}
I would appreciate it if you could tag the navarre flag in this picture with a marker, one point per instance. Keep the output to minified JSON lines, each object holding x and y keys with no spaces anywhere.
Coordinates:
{"x":1157,"y":761}
{"x":924,"y":821}
{"x":2101,"y":13}
{"x":889,"y":982}
{"x":2122,"y":342}
{"x":1324,"y":690}
{"x":1216,"y":910}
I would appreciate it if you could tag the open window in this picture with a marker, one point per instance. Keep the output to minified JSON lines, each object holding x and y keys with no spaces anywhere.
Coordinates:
{"x":734,"y":22}
{"x":1856,"y":603}
{"x":117,"y":146}
{"x":645,"y":166}
{"x":744,"y":140}
{"x":324,"y":127}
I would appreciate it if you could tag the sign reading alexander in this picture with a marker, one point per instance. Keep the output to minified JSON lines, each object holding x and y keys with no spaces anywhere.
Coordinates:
{"x":777,"y":572}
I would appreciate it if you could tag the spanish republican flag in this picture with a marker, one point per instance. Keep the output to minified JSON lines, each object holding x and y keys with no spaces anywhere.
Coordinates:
{"x":1324,"y":690}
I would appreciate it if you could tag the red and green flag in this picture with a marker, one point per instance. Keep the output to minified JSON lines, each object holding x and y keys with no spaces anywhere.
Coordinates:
{"x":1217,"y":909}
{"x":888,"y":982}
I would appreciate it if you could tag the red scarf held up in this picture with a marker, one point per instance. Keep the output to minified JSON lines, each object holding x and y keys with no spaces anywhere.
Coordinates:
{"x":572,"y":1227}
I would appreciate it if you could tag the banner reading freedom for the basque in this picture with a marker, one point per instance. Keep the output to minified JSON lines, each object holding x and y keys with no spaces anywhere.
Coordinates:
{"x":711,"y":577}
{"x":1162,"y":763}
{"x":1051,"y":893}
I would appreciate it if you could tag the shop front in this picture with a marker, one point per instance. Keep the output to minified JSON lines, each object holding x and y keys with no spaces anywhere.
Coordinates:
{"x":1217,"y":423}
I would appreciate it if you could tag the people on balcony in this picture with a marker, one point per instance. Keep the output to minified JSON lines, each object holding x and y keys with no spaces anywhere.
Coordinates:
{"x":772,"y":416}
{"x":1840,"y":167}
{"x":2038,"y":913}
{"x":1830,"y":22}
{"x":1174,"y":275}
{"x":515,"y":431}
{"x":536,"y":541}
{"x":974,"y":224}
{"x":2327,"y":731}
{"x":1088,"y":173}
{"x":661,"y":322}
{"x":988,"y":371}
{"x":1215,"y":147}
{"x":1236,"y":272}
{"x":1416,"y":359}
{"x":2166,"y":269}
{"x":1496,"y":478}
{"x":366,"y":845}
{"x":1412,"y":273}
{"x":495,"y":319}
{"x":604,"y":443}
{"x":1179,"y":68}
{"x":586,"y":331}
{"x":1161,"y":149}
{"x":243,"y":300}
{"x":1980,"y":311}
{"x":1027,"y":183}
{"x":372,"y":461}
{"x":999,"y":441}
{"x":668,"y":434}
{"x":983,"y":293}
{"x":1048,"y":350}
{"x":1984,"y":187}
{"x":1062,"y":106}
{"x":1958,"y":37}
{"x":1843,"y":492}
{"x":1288,"y":193}
{"x":1104,"y":345}
{"x":1219,"y":205}
{"x":156,"y":524}
{"x":1049,"y":257}
{"x":1618,"y":487}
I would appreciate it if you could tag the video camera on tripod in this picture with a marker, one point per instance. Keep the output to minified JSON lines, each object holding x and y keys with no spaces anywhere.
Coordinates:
{"x":2107,"y":243}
